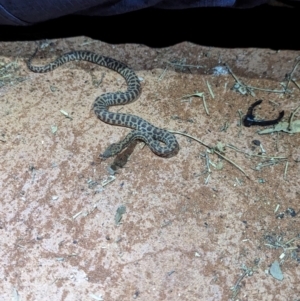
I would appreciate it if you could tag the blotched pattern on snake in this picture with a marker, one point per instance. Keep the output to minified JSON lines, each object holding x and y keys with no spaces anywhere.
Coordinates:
{"x":143,"y":130}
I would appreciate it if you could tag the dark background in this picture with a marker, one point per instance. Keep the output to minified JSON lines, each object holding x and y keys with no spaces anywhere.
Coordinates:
{"x":263,"y":27}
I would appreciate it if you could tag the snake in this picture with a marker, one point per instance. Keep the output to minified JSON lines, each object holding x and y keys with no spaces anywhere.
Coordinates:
{"x":161,"y":142}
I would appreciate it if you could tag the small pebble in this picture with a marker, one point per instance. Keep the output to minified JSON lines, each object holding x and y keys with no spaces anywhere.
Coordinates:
{"x":256,"y":142}
{"x":280,"y":215}
{"x":220,"y":70}
{"x":275,"y":271}
{"x":120,"y":211}
{"x":291,"y":212}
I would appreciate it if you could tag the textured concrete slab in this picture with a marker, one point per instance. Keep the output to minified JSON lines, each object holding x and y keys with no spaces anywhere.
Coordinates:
{"x":187,"y":234}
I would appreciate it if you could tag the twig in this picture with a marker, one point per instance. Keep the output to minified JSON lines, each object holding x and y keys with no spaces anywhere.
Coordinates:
{"x":290,"y":241}
{"x":267,"y":90}
{"x":254,"y":155}
{"x":236,"y":287}
{"x":210,"y":90}
{"x":276,"y":209}
{"x":285,"y":170}
{"x":292,"y":117}
{"x":238,"y":167}
{"x":184,"y":65}
{"x":218,"y":153}
{"x":296,"y":84}
{"x":187,"y":135}
{"x":198,"y":94}
{"x":234,"y":76}
{"x":241,"y":117}
{"x":277,"y":142}
{"x":248,"y":88}
{"x":162,"y":74}
{"x":271,"y":162}
{"x":205,"y":106}
{"x":207,"y":179}
{"x":290,"y":75}
{"x":207,"y":162}
{"x":286,"y":246}
{"x":88,"y":43}
{"x":241,"y":122}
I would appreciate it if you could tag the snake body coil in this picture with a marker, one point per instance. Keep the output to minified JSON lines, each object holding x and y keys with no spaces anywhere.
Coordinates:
{"x":143,"y":130}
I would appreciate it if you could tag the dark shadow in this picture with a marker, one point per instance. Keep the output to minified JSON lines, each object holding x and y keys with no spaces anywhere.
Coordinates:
{"x":122,"y":158}
{"x":263,"y":27}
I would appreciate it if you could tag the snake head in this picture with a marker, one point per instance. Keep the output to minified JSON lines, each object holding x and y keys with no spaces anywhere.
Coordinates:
{"x":111,"y":151}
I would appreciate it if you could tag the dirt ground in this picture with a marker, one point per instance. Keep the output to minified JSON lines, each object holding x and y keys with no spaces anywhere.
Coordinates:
{"x":196,"y":226}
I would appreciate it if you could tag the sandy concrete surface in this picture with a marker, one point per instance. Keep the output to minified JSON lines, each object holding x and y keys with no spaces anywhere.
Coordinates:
{"x":189,"y":232}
